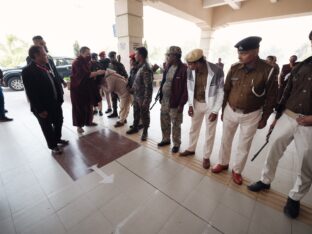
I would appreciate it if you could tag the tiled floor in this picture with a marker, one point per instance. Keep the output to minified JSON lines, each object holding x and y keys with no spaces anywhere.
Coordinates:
{"x":146,"y":190}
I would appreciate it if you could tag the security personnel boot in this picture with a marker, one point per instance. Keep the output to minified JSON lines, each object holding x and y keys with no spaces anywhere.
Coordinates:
{"x":258,"y":186}
{"x":144,"y":135}
{"x":292,"y":208}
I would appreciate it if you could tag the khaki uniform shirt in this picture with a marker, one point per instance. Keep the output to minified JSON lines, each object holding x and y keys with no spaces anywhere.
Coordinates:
{"x":200,"y":84}
{"x":298,"y":92}
{"x":251,"y":89}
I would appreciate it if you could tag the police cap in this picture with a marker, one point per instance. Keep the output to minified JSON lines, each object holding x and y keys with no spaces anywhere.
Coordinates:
{"x":248,"y":43}
{"x":94,"y":55}
{"x":194,"y":55}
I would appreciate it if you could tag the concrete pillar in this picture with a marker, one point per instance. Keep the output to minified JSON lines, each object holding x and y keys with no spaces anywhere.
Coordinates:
{"x":129,"y":27}
{"x":205,"y":38}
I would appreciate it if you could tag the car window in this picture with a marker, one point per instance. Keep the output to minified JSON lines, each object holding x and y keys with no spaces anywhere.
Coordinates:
{"x":63,"y":61}
{"x":69,"y":61}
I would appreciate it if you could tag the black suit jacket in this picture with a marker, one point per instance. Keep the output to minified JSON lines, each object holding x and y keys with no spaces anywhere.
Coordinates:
{"x":39,"y":89}
{"x":51,"y":65}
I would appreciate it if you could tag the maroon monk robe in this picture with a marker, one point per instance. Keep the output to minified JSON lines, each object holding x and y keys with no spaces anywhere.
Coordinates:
{"x":82,"y":93}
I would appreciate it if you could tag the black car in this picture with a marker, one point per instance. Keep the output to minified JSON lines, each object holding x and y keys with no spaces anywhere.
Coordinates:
{"x":13,"y":77}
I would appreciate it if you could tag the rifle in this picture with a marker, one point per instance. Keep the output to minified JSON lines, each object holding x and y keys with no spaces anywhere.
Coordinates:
{"x":266,"y":142}
{"x":156,"y":98}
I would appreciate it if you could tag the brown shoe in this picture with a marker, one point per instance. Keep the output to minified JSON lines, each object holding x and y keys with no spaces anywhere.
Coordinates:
{"x":186,"y":153}
{"x":237,"y":178}
{"x":218,"y":168}
{"x":118,"y":124}
{"x":206,"y":163}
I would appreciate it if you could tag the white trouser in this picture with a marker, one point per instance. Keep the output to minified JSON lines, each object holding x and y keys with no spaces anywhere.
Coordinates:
{"x":286,"y":130}
{"x":200,"y":111}
{"x":124,"y":108}
{"x":248,"y":126}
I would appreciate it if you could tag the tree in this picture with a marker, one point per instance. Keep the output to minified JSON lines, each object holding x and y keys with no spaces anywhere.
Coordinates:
{"x":13,"y":52}
{"x":76,"y":47}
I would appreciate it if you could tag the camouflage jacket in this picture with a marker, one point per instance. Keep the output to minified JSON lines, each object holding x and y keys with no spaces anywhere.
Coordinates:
{"x":143,"y":84}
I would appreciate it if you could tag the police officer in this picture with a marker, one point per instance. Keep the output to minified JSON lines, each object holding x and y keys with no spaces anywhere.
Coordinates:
{"x":293,"y":121}
{"x":205,"y":84}
{"x":142,"y":93}
{"x":249,"y":98}
{"x":173,"y":96}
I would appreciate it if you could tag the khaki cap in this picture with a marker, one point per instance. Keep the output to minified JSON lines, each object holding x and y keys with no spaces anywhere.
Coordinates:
{"x":194,"y":55}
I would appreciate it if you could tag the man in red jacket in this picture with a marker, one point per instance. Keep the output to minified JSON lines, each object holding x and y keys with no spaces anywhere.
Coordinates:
{"x":173,"y":96}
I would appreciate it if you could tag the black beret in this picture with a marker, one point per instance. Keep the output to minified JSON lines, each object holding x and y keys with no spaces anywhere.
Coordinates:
{"x":112,"y":54}
{"x":248,"y":43}
{"x":94,"y":55}
{"x":310,"y":35}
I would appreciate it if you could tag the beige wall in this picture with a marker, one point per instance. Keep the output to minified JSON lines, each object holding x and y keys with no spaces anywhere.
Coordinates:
{"x":191,"y":10}
{"x":260,"y":10}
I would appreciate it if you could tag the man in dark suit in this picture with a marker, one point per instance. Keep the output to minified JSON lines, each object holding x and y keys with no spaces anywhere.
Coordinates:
{"x":39,"y":41}
{"x":45,"y":94}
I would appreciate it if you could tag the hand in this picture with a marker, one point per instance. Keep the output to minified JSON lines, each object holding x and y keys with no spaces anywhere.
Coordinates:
{"x":304,"y":120}
{"x":180,"y":109}
{"x":212,"y":117}
{"x":43,"y":114}
{"x":191,"y":111}
{"x":262,"y":123}
{"x":64,"y":84}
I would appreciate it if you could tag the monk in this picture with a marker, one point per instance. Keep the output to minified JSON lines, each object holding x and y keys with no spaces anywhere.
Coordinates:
{"x":82,"y":93}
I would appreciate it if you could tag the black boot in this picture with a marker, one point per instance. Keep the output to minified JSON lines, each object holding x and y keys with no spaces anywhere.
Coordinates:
{"x":163,"y":143}
{"x":108,"y":111}
{"x":113,"y":115}
{"x":144,"y":134}
{"x":258,"y":186}
{"x":292,"y":208}
{"x":132,"y":130}
{"x":5,"y":119}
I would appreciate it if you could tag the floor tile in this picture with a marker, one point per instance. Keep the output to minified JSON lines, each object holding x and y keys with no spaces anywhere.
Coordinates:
{"x":94,"y":223}
{"x":228,"y":221}
{"x":238,"y":202}
{"x":62,"y":198}
{"x":150,"y":217}
{"x":298,"y":227}
{"x":25,"y":198}
{"x":32,"y":215}
{"x":184,"y":222}
{"x":182,"y":184}
{"x":7,"y":226}
{"x":75,"y":212}
{"x":49,"y":225}
{"x":5,"y":211}
{"x":265,"y":217}
{"x":213,"y":189}
{"x":201,"y":204}
{"x":103,"y":193}
{"x":119,"y":208}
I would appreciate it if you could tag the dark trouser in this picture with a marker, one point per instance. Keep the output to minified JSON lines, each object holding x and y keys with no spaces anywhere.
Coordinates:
{"x":52,"y":125}
{"x":2,"y":114}
{"x":115,"y":101}
{"x":141,"y":112}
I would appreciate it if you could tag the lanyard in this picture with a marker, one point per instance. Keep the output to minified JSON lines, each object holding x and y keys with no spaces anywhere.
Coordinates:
{"x":49,"y":71}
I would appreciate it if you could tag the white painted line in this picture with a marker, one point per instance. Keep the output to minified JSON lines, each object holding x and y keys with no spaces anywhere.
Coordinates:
{"x":106,"y":178}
